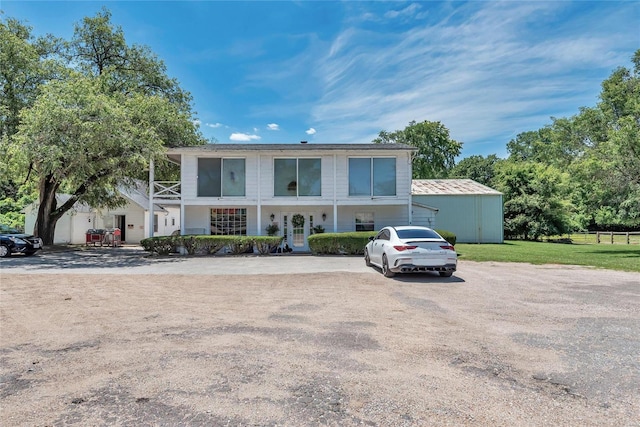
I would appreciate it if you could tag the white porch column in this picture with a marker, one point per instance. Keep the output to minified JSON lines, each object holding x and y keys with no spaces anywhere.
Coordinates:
{"x":259,"y":204}
{"x":152,"y":177}
{"x":335,"y":196}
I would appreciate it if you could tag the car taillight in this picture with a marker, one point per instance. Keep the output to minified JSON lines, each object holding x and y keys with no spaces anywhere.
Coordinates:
{"x":404,"y":248}
{"x":447,"y":247}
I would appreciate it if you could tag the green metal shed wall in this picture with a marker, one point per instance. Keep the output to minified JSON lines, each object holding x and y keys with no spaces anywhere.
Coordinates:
{"x":474,"y":218}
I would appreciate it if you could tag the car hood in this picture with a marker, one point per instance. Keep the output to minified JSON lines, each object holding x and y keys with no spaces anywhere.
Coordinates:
{"x":18,"y":235}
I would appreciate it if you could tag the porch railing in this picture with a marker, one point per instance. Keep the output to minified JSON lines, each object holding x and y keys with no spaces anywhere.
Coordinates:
{"x":167,"y":190}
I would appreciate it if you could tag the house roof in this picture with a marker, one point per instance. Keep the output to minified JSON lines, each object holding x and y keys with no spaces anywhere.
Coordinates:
{"x":431,"y":187}
{"x":174,"y":153}
{"x":291,"y":147}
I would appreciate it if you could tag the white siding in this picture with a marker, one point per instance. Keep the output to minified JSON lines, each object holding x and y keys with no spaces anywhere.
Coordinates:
{"x":382,"y":216}
{"x":334,"y":191}
{"x":424,"y":216}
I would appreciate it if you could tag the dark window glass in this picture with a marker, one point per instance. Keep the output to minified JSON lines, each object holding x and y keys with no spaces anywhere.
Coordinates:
{"x":209,"y":177}
{"x":229,"y":222}
{"x":417,"y":233}
{"x":384,"y":177}
{"x":297,"y":177}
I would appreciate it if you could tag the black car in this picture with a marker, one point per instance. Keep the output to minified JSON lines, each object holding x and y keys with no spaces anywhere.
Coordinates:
{"x":13,"y":241}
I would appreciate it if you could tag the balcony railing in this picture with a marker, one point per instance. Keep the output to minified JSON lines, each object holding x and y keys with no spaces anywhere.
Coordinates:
{"x":166,"y":190}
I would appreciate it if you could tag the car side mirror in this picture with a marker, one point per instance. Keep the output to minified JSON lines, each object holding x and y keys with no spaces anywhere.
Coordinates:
{"x":372,"y":238}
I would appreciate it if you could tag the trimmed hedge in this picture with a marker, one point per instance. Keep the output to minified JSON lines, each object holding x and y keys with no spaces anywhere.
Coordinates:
{"x":352,"y":243}
{"x":448,"y":236}
{"x":203,"y":244}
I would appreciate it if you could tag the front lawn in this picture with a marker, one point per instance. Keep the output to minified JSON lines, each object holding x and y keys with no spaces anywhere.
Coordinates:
{"x":614,"y":257}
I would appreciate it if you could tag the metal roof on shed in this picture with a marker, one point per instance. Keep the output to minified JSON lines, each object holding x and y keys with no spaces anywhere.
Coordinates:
{"x":424,"y":187}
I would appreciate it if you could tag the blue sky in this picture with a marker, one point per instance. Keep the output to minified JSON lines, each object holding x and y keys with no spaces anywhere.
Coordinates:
{"x":337,"y":72}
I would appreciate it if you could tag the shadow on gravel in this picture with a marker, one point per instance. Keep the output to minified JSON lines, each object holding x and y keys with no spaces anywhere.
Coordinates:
{"x":91,"y":257}
{"x":429,"y":277}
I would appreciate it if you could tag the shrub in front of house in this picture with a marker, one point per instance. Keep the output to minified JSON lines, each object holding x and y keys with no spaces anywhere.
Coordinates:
{"x":208,"y":245}
{"x":267,"y":244}
{"x":350,"y":243}
{"x":448,"y":236}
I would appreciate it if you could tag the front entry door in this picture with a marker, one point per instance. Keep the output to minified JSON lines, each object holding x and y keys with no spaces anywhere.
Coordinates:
{"x":296,"y":233}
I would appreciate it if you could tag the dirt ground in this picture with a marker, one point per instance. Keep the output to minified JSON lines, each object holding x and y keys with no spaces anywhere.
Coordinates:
{"x":497,"y":344}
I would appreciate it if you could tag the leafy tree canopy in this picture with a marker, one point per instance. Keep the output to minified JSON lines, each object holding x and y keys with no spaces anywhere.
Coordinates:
{"x":95,"y":112}
{"x":436,"y":150}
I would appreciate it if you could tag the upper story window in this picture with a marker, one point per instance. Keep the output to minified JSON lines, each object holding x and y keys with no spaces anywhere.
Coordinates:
{"x":297,"y":177}
{"x":372,"y":176}
{"x":220,"y":177}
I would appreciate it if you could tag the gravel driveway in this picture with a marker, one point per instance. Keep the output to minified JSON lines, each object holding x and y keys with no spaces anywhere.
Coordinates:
{"x":113,"y":337}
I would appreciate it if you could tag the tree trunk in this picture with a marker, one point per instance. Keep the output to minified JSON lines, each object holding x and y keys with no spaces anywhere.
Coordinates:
{"x":47,"y":216}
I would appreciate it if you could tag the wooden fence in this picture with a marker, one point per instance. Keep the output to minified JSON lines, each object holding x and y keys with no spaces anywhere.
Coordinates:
{"x":610,"y":237}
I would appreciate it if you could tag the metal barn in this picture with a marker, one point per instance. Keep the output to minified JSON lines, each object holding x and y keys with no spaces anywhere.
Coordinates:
{"x":465,"y":207}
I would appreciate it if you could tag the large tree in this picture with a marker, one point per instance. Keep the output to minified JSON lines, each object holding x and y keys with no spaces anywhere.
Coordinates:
{"x":436,"y":150}
{"x":600,"y":148}
{"x":535,"y":200}
{"x":99,"y":124}
{"x":24,"y":66}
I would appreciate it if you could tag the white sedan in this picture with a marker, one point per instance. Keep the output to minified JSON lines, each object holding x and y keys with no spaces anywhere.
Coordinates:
{"x":409,"y":249}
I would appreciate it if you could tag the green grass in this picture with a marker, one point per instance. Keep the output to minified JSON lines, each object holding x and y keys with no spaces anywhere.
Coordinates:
{"x":613,"y":257}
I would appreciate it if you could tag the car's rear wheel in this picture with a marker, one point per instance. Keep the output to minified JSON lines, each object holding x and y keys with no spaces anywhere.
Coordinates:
{"x":4,"y":251}
{"x":446,"y":273}
{"x":367,"y":260}
{"x":385,"y":267}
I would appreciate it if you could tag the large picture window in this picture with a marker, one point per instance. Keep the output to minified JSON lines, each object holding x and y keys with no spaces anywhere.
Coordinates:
{"x":229,"y":222}
{"x":372,"y":176}
{"x":219,"y":177}
{"x":297,"y":177}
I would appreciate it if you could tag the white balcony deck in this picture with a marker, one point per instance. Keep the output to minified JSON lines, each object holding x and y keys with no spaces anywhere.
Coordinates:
{"x":167,"y":191}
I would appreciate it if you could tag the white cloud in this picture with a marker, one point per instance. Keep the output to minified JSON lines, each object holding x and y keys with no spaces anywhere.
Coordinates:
{"x":408,"y":11}
{"x":243,"y":137}
{"x":310,"y":131}
{"x":273,"y":126}
{"x":196,"y":122}
{"x":213,"y":125}
{"x":484,"y":71}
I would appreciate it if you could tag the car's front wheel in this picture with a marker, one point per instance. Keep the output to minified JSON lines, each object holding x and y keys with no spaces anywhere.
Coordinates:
{"x":5,"y":251}
{"x":446,"y":273}
{"x":367,"y":260}
{"x":385,"y":267}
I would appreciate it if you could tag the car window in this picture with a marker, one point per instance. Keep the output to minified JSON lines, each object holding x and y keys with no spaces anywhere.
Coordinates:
{"x":383,"y":235}
{"x":7,"y":229}
{"x":417,"y":233}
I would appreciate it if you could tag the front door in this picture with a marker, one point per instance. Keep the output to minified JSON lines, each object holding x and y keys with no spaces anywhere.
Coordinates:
{"x":121,"y":223}
{"x":296,"y":230}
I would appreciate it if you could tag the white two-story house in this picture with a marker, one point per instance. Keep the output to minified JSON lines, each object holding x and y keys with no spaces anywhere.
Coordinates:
{"x":240,"y":189}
